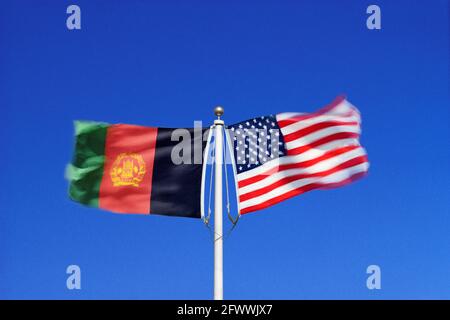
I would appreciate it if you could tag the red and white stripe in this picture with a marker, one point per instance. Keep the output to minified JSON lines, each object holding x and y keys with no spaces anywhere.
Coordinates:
{"x":323,"y":151}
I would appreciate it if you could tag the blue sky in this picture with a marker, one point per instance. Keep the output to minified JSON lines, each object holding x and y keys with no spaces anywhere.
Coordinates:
{"x":168,"y":63}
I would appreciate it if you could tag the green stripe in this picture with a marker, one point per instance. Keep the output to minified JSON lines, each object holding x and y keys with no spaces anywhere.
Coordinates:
{"x":86,"y":170}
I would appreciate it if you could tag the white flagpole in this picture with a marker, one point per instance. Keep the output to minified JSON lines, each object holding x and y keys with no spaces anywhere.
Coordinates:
{"x":218,"y":229}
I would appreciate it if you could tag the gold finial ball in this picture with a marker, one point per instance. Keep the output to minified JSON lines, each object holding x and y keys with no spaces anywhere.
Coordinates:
{"x":218,"y":111}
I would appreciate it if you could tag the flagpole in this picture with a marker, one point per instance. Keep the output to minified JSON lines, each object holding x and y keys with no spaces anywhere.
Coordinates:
{"x":218,"y":218}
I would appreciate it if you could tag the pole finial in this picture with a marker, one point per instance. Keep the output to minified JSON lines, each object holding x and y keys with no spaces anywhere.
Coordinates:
{"x":218,"y":111}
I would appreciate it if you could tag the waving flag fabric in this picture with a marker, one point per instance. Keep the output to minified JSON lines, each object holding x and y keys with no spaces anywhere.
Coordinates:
{"x":129,"y":169}
{"x":284,"y":155}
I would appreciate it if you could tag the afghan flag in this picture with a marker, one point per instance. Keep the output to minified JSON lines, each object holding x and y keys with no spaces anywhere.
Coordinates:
{"x":135,"y":169}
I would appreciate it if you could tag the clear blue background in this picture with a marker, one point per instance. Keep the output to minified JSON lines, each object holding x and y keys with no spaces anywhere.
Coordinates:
{"x":167,"y":63}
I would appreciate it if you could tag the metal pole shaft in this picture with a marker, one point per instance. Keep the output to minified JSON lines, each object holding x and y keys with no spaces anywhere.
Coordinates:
{"x":218,"y":229}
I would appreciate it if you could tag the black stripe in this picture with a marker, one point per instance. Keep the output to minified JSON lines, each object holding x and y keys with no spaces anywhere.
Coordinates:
{"x":176,"y":187}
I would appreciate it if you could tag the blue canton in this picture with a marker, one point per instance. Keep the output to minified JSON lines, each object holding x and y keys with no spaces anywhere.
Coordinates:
{"x":255,"y":142}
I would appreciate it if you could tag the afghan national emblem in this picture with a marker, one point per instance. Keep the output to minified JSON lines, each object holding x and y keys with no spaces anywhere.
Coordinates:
{"x":128,"y":170}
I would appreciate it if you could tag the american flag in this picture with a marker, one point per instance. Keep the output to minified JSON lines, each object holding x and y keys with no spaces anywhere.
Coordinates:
{"x":280,"y":156}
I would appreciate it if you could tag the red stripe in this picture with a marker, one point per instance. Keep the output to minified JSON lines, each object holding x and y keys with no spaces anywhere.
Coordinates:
{"x":316,"y":127}
{"x":335,"y":103}
{"x":127,"y":148}
{"x":347,"y":164}
{"x":301,"y":190}
{"x":297,"y":165}
{"x":324,"y":140}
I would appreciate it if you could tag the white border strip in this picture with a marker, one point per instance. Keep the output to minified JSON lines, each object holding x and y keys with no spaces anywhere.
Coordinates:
{"x":233,"y":164}
{"x":205,"y":162}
